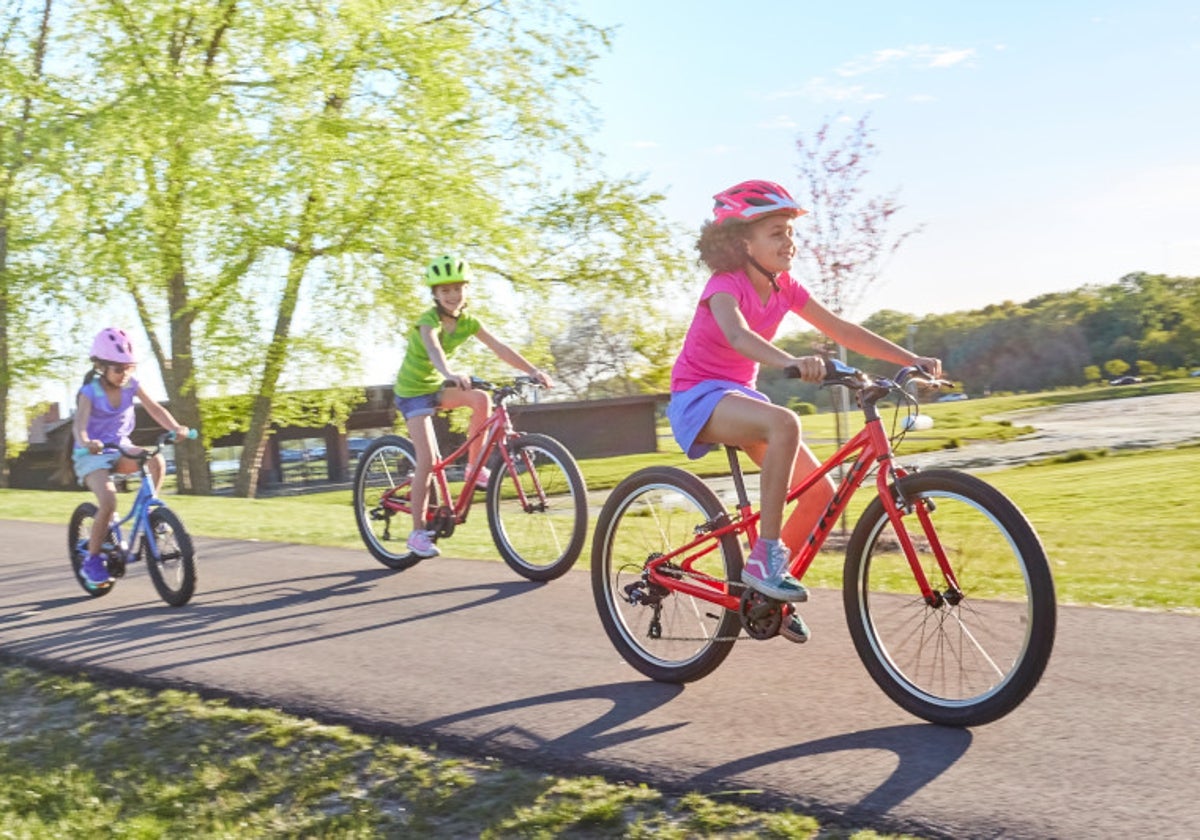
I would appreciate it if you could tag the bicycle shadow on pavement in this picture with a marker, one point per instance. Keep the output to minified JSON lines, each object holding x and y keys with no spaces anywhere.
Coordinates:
{"x":236,"y":621}
{"x":627,"y":701}
{"x":923,"y":752}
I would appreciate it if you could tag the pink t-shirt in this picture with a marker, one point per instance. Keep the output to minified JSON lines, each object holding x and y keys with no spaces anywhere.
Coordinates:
{"x":707,"y":355}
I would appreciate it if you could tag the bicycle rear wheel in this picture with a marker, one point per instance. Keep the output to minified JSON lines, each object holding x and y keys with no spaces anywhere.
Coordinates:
{"x":540,"y":538}
{"x":174,"y":570}
{"x":668,"y":636}
{"x":963,"y":662}
{"x":386,"y":468}
{"x":79,"y":529}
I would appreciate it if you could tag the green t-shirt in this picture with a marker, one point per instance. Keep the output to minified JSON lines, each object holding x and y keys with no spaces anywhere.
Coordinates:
{"x":417,"y":375}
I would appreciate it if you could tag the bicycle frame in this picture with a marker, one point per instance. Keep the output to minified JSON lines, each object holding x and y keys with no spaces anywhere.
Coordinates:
{"x":496,"y":429}
{"x":139,"y":512}
{"x":870,"y":446}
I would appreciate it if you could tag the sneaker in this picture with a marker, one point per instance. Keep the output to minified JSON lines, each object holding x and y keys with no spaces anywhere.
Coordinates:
{"x":482,"y":478}
{"x":766,"y":573}
{"x":795,"y":630}
{"x":94,"y":572}
{"x":421,"y":544}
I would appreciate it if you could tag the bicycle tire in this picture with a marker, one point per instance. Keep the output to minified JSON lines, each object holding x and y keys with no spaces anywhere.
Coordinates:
{"x":387,"y":463}
{"x":539,"y":543}
{"x":79,"y":529}
{"x":963,"y":664}
{"x":174,"y":570}
{"x":650,"y":513}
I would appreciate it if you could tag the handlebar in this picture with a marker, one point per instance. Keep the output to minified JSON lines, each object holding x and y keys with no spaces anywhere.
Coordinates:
{"x":500,"y":393}
{"x":144,"y":454}
{"x":837,"y":373}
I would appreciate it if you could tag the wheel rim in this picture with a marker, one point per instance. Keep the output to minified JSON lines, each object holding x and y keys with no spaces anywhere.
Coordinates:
{"x":650,"y":522}
{"x":544,"y":535}
{"x":385,"y":470}
{"x":951,"y":655}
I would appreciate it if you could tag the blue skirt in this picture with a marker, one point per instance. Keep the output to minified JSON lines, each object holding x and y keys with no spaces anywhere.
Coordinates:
{"x":689,"y":410}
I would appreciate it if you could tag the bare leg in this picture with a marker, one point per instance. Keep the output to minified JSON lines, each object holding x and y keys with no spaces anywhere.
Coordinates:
{"x":420,"y":429}
{"x":770,"y":434}
{"x":811,"y":505}
{"x":101,"y":483}
{"x":481,"y":409}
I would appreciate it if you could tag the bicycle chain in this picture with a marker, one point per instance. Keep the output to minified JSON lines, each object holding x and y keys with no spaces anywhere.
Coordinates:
{"x":702,"y":576}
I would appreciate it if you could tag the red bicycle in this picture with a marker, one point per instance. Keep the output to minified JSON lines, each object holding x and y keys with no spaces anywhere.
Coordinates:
{"x":947,"y":591}
{"x":536,"y":498}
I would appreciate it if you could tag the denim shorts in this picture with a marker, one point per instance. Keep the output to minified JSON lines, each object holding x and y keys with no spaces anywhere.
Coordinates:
{"x":419,"y":406}
{"x":86,"y":463}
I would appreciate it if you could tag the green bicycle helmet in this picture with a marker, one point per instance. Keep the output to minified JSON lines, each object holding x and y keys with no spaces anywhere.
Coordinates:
{"x":447,"y":269}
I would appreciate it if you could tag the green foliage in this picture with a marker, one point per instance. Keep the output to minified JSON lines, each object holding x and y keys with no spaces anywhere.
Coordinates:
{"x":1091,"y":373}
{"x":801,"y":407}
{"x":303,"y":409}
{"x":1116,"y":367}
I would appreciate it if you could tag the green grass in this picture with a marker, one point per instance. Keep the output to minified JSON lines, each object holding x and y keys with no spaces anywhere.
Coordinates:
{"x":83,"y":759}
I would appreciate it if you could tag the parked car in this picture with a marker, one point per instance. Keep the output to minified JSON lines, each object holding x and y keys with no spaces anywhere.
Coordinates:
{"x":1125,"y":380}
{"x":1196,"y":372}
{"x":958,"y":397}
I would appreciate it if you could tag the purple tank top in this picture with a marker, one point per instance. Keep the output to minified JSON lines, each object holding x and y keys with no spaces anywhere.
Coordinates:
{"x":106,"y":423}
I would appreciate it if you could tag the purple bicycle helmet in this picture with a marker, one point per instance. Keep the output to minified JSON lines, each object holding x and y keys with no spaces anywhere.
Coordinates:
{"x":113,"y":344}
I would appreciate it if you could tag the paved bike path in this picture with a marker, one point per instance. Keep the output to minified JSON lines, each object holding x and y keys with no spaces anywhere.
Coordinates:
{"x":467,"y":655}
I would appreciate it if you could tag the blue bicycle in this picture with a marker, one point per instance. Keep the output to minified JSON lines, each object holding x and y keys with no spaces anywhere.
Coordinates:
{"x":156,"y":536}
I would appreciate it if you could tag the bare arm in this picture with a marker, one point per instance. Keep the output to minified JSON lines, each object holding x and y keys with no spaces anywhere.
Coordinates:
{"x":159,"y":414}
{"x":862,"y":340}
{"x":83,"y":413}
{"x":510,"y":356}
{"x":752,"y":345}
{"x":437,"y":357}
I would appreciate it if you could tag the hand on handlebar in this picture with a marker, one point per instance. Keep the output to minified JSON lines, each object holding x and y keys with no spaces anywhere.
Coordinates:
{"x":931,"y":365}
{"x":807,"y":368}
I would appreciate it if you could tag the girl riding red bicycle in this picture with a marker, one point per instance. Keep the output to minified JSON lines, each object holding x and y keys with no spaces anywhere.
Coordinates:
{"x":748,"y":246}
{"x":419,"y":387}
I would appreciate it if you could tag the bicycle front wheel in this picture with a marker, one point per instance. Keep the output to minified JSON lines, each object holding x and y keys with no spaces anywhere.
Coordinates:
{"x":386,"y":470}
{"x":537,"y":512}
{"x":978,"y":653}
{"x":668,"y":636}
{"x":174,"y":569}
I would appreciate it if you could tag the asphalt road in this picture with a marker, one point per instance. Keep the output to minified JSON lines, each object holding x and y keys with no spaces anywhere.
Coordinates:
{"x":466,"y":655}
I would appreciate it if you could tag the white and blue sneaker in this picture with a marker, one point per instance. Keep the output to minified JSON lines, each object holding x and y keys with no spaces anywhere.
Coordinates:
{"x":421,"y":544}
{"x":766,"y":572}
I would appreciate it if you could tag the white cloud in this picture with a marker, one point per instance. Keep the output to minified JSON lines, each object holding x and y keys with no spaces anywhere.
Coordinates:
{"x":921,"y":57}
{"x":781,"y":121}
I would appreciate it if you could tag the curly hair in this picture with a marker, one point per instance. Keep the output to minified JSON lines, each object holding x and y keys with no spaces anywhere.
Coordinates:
{"x":722,"y":247}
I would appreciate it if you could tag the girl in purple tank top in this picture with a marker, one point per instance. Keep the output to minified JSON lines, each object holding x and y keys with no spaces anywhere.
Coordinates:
{"x":104,"y":413}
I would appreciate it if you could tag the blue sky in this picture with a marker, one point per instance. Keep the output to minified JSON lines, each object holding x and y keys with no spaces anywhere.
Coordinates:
{"x":1042,"y":145}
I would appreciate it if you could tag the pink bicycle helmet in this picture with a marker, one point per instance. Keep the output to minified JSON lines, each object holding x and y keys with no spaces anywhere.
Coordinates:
{"x":753,"y":200}
{"x":113,"y":344}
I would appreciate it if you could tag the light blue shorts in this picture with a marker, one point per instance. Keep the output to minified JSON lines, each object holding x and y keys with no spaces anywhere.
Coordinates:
{"x":86,"y":463}
{"x":419,"y":406}
{"x":689,"y":410}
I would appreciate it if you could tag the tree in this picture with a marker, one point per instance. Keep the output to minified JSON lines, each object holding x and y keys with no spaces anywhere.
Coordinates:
{"x":24,"y":112}
{"x":844,"y":240}
{"x":293,"y":170}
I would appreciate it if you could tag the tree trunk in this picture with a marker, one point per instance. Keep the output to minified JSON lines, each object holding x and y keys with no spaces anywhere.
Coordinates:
{"x":246,"y":485}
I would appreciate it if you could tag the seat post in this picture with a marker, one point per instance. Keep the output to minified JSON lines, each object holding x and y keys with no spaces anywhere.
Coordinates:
{"x":739,"y":481}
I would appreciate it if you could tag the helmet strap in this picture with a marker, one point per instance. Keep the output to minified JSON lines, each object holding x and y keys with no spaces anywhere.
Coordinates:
{"x":770,"y":275}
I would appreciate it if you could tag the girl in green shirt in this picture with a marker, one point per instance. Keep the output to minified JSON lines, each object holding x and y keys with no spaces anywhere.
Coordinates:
{"x":420,"y":389}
